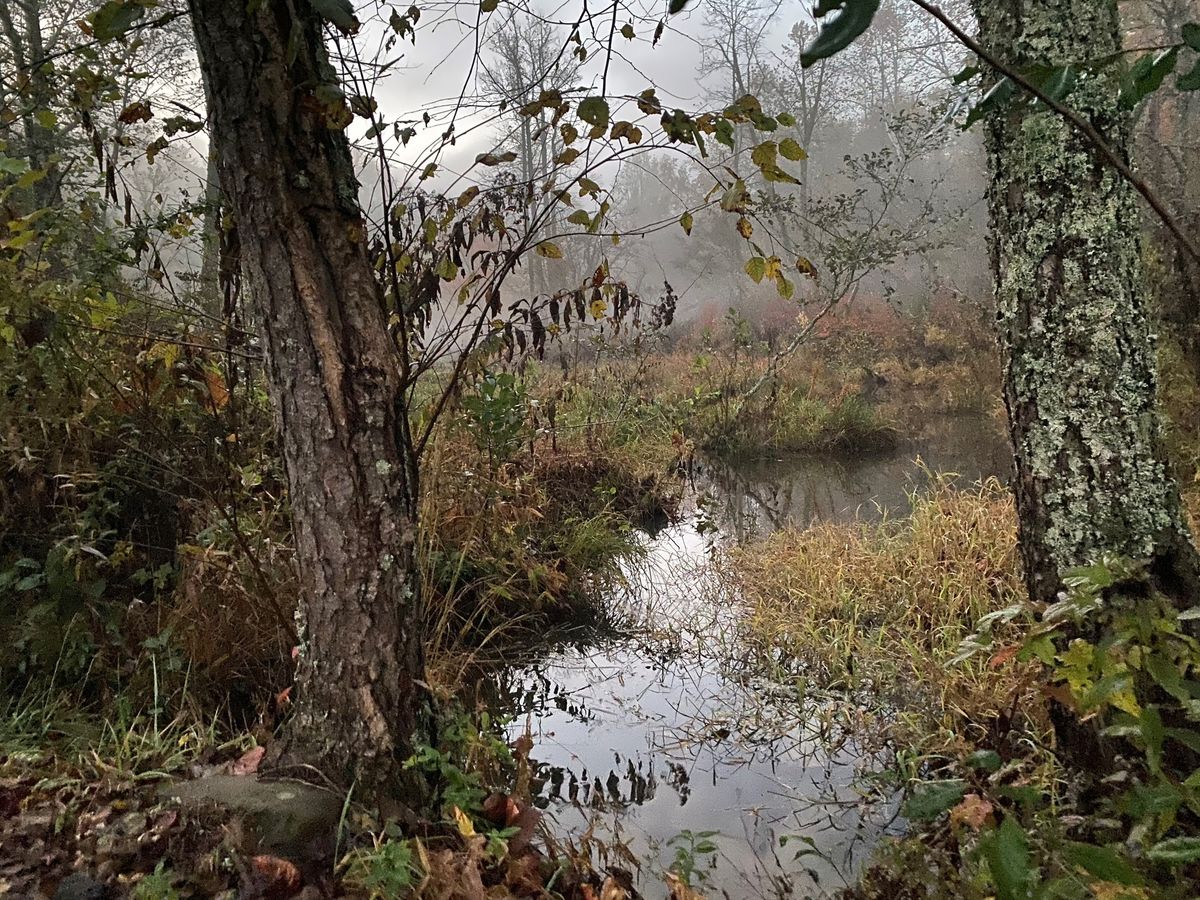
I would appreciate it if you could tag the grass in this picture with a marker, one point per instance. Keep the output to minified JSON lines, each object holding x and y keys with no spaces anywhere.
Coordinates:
{"x":884,"y":608}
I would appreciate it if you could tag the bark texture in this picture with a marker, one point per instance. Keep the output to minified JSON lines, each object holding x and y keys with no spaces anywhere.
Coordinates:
{"x":1073,"y":313}
{"x":276,"y":118}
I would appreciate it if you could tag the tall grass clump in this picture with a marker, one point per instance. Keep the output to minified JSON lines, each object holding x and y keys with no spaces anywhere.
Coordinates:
{"x":881,"y":609}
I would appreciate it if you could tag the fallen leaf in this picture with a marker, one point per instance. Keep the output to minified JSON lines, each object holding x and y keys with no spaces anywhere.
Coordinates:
{"x":280,"y":878}
{"x":247,"y":763}
{"x":1003,"y":656}
{"x":973,"y":811}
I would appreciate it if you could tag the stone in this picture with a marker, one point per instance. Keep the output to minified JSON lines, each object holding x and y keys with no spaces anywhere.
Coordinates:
{"x":292,"y":819}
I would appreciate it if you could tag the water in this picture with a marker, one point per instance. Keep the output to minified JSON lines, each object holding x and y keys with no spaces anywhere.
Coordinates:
{"x":642,"y":739}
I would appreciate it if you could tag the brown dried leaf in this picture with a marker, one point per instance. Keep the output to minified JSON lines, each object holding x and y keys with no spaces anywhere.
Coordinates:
{"x":280,"y":878}
{"x":248,"y":762}
{"x":973,"y":811}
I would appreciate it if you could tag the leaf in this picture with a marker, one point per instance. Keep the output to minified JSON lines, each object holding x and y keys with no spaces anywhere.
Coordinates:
{"x":756,"y":267}
{"x":494,"y":159}
{"x":853,"y":18}
{"x":340,"y":13}
{"x":999,"y":94}
{"x":280,"y":877}
{"x":579,"y":217}
{"x":10,"y":165}
{"x":1176,"y":850}
{"x":1007,"y":855}
{"x":931,"y":799}
{"x":685,"y":222}
{"x":115,"y":18}
{"x":1102,"y":862}
{"x":973,"y":811}
{"x":745,"y":229}
{"x":136,"y":112}
{"x":488,"y":6}
{"x":549,"y":250}
{"x":1147,"y":75}
{"x":1191,"y":35}
{"x":764,"y":154}
{"x":594,"y":111}
{"x":791,"y":150}
{"x":248,"y":762}
{"x":465,"y":826}
{"x":984,"y":760}
{"x":677,"y":6}
{"x":627,"y":31}
{"x":785,"y":287}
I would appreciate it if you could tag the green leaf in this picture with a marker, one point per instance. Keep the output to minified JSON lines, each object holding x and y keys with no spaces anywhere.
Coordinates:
{"x":488,"y":6}
{"x":1176,"y":850}
{"x":685,"y":222}
{"x":985,"y":760}
{"x":1147,"y":75}
{"x":115,"y":18}
{"x":579,"y":217}
{"x":1007,"y":855}
{"x":11,"y":165}
{"x":1053,"y":81}
{"x":792,"y":150}
{"x":853,"y":18}
{"x":677,"y":6}
{"x":756,"y":267}
{"x":764,"y":154}
{"x":549,"y":250}
{"x":594,"y":111}
{"x":1102,"y":862}
{"x":340,"y":13}
{"x":1191,"y":35}
{"x":999,"y":94}
{"x":933,"y":798}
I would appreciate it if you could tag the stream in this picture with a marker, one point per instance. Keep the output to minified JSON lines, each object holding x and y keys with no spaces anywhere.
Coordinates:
{"x":645,"y":744}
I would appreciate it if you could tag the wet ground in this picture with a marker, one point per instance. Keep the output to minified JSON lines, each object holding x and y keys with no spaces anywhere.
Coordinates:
{"x":659,"y":748}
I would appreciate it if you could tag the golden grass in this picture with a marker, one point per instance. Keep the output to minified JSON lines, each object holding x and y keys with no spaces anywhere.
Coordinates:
{"x":887,"y":607}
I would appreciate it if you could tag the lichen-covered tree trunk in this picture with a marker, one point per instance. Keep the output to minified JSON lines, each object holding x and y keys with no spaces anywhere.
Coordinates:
{"x":285,"y":169}
{"x":1073,"y":313}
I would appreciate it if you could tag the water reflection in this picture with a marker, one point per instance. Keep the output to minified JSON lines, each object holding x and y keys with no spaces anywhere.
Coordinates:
{"x":639,"y":739}
{"x":748,"y":498}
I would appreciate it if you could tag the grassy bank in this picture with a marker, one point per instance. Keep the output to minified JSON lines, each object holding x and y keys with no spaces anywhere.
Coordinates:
{"x":881,"y":610}
{"x":988,"y":706}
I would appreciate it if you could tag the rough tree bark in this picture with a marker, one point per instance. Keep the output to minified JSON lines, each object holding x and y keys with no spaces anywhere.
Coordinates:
{"x":1073,"y":314}
{"x":285,"y":169}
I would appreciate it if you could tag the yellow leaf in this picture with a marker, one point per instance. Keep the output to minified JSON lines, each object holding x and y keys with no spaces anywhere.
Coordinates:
{"x":745,"y":229}
{"x":465,"y":826}
{"x":685,"y":222}
{"x":598,"y":308}
{"x":549,"y":250}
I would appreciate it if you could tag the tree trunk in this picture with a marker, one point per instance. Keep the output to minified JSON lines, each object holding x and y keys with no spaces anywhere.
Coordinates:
{"x":1074,"y":324}
{"x":208,"y":284}
{"x":285,"y":170}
